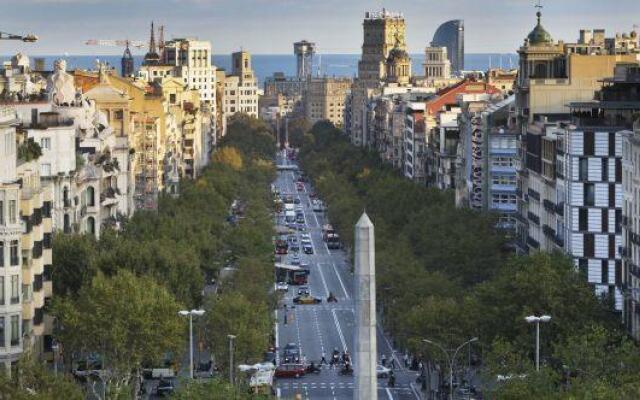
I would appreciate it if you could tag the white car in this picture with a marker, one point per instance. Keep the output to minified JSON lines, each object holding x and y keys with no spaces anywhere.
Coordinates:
{"x":382,"y":371}
{"x":305,"y":237}
{"x":282,"y":287}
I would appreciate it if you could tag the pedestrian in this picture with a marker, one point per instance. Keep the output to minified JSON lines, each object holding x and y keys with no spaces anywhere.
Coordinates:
{"x":383,"y":360}
{"x":392,"y":363}
{"x":304,"y":359}
{"x":323,"y":360}
{"x":406,"y":360}
{"x":285,"y":318}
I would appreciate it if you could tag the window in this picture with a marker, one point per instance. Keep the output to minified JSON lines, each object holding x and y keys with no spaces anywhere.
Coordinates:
{"x":1,"y":212}
{"x":45,"y":143}
{"x":15,"y":330}
{"x":605,"y":220}
{"x":589,"y":245}
{"x":45,"y":169}
{"x":12,"y":212}
{"x":172,"y":98}
{"x":13,"y":253}
{"x":582,"y":219}
{"x":90,"y":196}
{"x":2,"y":332}
{"x":1,"y":254}
{"x":589,"y":194}
{"x":1,"y":290}
{"x":583,"y":169}
{"x":605,"y":169}
{"x":15,"y":289}
{"x":589,"y":144}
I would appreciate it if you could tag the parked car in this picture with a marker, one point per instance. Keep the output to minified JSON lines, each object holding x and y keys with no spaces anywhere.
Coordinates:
{"x":165,"y":387}
{"x":282,"y":287}
{"x":302,"y":290}
{"x":306,"y":299}
{"x":290,"y":371}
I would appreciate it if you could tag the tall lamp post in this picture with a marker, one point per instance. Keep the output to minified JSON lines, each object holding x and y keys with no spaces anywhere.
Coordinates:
{"x":532,"y":319}
{"x":190,"y":314}
{"x":231,"y":337}
{"x":451,"y":359}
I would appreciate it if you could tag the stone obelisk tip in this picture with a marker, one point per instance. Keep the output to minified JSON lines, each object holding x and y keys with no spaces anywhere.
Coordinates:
{"x":364,"y":221}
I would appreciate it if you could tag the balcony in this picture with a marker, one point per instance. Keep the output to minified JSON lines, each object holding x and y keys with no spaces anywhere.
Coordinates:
{"x":533,"y":194}
{"x":533,"y":218}
{"x":625,"y":220}
{"x":532,"y":242}
{"x":634,"y":238}
{"x":634,"y":270}
{"x":38,"y":317}
{"x":37,"y":283}
{"x":37,"y":250}
{"x":549,"y":206}
{"x":560,"y":209}
{"x":558,"y":240}
{"x":548,"y":231}
{"x":624,"y":251}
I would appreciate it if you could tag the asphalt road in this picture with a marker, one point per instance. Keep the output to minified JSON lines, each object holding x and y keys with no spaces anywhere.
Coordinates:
{"x":320,"y":328}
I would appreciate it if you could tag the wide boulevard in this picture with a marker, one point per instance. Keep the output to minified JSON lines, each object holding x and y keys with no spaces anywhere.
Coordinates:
{"x":321,"y":328}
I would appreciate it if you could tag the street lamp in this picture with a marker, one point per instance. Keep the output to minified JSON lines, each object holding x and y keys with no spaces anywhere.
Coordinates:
{"x":190,"y":314}
{"x":532,"y":319}
{"x":55,"y":347}
{"x":231,"y":337}
{"x":451,"y":359}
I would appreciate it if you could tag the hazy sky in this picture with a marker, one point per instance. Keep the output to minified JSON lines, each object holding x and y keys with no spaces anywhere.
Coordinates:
{"x":270,"y":26}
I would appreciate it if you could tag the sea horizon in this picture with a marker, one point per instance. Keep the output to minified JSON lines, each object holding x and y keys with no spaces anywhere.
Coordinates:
{"x":265,"y":65}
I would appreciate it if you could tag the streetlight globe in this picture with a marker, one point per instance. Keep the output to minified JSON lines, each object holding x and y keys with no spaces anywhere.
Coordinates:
{"x":198,"y":313}
{"x":531,"y":319}
{"x":184,"y":313}
{"x":545,"y":318}
{"x":475,"y":339}
{"x":427,"y":341}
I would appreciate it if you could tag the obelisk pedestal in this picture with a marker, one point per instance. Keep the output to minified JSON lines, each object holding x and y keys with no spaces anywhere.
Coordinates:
{"x":365,"y":360}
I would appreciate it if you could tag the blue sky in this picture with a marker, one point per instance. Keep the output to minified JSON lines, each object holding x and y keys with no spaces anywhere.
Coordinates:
{"x":270,"y":26}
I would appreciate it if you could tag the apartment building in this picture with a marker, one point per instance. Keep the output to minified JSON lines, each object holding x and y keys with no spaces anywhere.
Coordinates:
{"x":487,"y":160}
{"x":241,"y":87}
{"x":630,"y":250}
{"x":324,"y":99}
{"x":414,"y":141}
{"x":25,"y":247}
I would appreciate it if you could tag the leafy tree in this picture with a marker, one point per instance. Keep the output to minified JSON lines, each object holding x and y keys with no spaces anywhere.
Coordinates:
{"x":73,"y":255}
{"x":298,"y":127}
{"x":234,"y":314}
{"x":32,"y":381}
{"x":229,"y":156}
{"x":126,"y":319}
{"x":213,"y":390}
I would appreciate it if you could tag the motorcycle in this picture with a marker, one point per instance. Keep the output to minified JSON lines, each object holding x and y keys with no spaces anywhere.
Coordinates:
{"x":346,"y":371}
{"x":312,"y":369}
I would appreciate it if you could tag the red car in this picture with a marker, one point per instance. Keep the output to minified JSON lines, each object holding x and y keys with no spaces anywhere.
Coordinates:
{"x":290,"y":371}
{"x":300,"y":186}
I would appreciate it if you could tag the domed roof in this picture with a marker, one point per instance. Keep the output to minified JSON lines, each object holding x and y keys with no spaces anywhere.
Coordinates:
{"x":539,"y":35}
{"x":397,"y":54}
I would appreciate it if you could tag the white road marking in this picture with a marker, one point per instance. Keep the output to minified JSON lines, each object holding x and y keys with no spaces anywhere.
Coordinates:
{"x":335,"y":320}
{"x":298,"y":329}
{"x":277,"y":338}
{"x":344,"y":289}
{"x":389,"y":394}
{"x":318,"y":331}
{"x":324,"y":283}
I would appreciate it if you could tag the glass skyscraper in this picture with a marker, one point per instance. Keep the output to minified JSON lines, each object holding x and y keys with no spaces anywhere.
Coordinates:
{"x":451,"y":35}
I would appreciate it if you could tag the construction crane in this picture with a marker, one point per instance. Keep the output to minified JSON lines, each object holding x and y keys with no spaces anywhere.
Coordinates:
{"x":116,"y":43}
{"x":30,"y":38}
{"x":127,"y":64}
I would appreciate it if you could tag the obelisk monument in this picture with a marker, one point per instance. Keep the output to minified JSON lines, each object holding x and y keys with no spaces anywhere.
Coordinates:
{"x":365,"y":360}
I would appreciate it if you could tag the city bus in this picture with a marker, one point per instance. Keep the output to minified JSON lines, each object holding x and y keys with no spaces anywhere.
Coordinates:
{"x":292,"y":274}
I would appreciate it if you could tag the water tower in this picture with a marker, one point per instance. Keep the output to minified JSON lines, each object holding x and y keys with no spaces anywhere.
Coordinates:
{"x":304,"y":52}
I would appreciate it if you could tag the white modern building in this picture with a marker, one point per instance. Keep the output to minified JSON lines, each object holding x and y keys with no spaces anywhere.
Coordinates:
{"x":241,"y":93}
